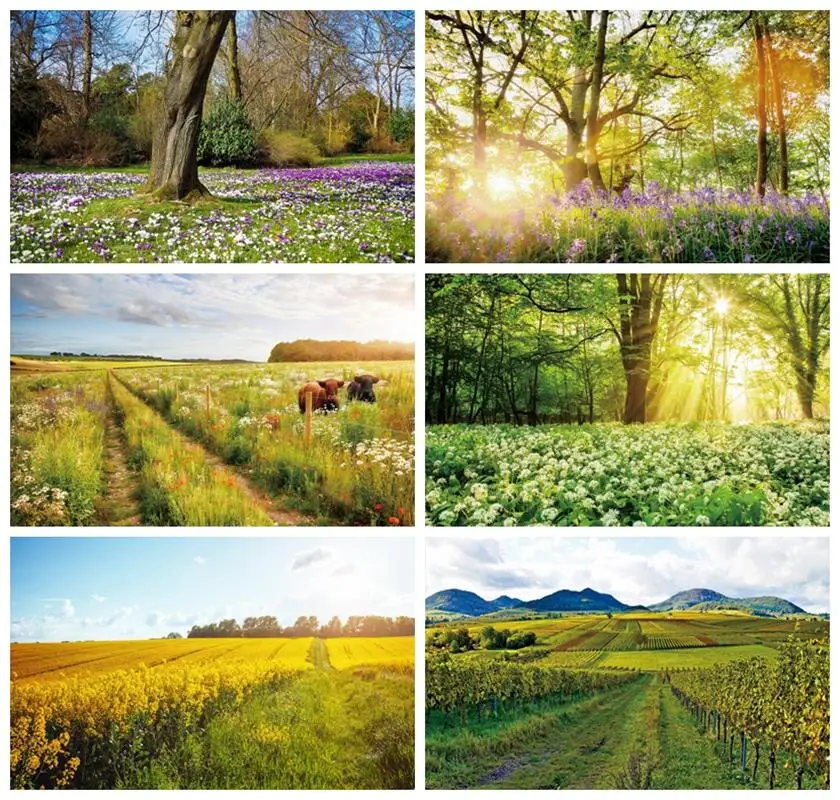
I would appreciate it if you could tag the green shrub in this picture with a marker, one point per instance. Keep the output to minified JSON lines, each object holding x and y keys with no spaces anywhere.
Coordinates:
{"x":286,"y":149}
{"x":227,"y":137}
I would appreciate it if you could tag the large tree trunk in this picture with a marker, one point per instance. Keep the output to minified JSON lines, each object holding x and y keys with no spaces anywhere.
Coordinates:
{"x":87,"y":64}
{"x":592,"y":132}
{"x":575,"y":169}
{"x":639,"y":306}
{"x":479,"y":132}
{"x":761,"y":108}
{"x":234,"y":77}
{"x":778,"y":103}
{"x":174,"y":172}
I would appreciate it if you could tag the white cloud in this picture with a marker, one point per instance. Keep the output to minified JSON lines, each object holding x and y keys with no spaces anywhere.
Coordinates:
{"x":199,"y":560}
{"x":310,"y":557}
{"x":98,"y":598}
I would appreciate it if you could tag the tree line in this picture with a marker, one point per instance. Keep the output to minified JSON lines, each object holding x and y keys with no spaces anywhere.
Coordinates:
{"x":686,"y":98}
{"x":530,"y":349}
{"x":340,"y":350}
{"x":99,"y":87}
{"x":268,"y":627}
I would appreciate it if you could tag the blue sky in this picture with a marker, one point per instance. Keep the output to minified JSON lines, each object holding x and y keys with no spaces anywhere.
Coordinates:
{"x":204,"y":316}
{"x":73,"y":588}
{"x":634,"y":570}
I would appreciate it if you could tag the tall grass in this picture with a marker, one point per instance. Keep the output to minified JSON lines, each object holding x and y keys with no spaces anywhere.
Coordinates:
{"x":358,"y":467}
{"x":57,"y":448}
{"x":325,"y":730}
{"x":177,"y":484}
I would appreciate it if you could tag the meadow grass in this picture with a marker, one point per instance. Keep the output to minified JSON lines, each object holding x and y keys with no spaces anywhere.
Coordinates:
{"x":357,"y":469}
{"x":57,"y":448}
{"x":326,"y":730}
{"x":177,"y":484}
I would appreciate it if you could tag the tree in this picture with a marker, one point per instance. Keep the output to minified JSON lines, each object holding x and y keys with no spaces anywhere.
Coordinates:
{"x":795,"y":309}
{"x":174,"y":168}
{"x":639,"y":306}
{"x":761,"y":105}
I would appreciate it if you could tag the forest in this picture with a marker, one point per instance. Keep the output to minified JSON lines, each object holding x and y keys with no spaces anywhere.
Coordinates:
{"x":689,"y":374}
{"x":369,"y":625}
{"x":652,"y":136}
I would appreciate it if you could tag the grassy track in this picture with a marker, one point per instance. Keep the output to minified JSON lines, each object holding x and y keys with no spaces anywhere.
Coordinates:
{"x":634,"y":737}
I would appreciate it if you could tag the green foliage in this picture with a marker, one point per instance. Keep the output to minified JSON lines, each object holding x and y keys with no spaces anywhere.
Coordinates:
{"x":227,"y":136}
{"x":401,"y":125}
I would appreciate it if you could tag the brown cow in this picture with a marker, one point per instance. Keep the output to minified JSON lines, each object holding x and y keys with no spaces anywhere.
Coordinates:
{"x":324,"y":394}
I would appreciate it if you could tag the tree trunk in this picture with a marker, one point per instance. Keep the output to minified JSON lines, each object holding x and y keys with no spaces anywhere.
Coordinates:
{"x":87,"y":64}
{"x":174,"y":172}
{"x":761,"y":108}
{"x":639,"y":306}
{"x":575,"y":167}
{"x":755,"y":762}
{"x":772,"y":780}
{"x":234,"y":77}
{"x":778,"y":102}
{"x":592,"y":168}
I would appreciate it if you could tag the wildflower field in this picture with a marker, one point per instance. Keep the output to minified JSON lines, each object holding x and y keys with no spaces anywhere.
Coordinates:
{"x":590,"y":706}
{"x":209,"y":444}
{"x":211,"y":714}
{"x":654,"y":226}
{"x":361,"y":211}
{"x":605,"y":474}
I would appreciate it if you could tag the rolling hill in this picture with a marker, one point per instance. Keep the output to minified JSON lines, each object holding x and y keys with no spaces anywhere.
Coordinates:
{"x":469,"y":604}
{"x":709,"y":600}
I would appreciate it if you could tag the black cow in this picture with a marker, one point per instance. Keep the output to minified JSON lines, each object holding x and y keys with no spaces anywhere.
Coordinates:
{"x":361,"y":388}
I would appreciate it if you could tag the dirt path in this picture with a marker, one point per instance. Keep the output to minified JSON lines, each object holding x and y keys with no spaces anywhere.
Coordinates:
{"x":318,"y":655}
{"x":117,"y":504}
{"x":281,"y":516}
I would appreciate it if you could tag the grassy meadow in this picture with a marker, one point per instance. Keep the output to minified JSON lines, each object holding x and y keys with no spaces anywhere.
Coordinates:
{"x":207,"y":444}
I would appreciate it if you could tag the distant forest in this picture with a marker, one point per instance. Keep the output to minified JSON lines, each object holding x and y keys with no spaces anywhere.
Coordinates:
{"x":341,"y":350}
{"x":268,"y":626}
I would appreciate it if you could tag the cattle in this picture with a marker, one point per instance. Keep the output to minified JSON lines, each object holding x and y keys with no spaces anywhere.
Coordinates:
{"x":324,"y":395}
{"x":361,"y":388}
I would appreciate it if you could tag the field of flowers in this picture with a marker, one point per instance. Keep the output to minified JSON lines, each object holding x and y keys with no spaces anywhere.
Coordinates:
{"x":228,"y":461}
{"x":352,"y":651}
{"x":358,"y":467}
{"x":57,"y":441}
{"x":602,"y":474}
{"x":362,"y":212}
{"x":206,"y":714}
{"x":649,"y":227}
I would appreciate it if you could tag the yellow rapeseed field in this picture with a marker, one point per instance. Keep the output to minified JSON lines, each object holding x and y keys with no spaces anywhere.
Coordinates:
{"x":354,"y":651}
{"x":90,"y":690}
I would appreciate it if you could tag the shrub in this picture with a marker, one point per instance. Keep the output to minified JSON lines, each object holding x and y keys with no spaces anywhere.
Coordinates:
{"x":63,"y":141}
{"x":401,"y":125}
{"x":286,"y":149}
{"x":227,"y":136}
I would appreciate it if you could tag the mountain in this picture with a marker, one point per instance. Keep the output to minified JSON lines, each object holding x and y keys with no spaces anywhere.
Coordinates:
{"x":458,"y":601}
{"x":690,"y":597}
{"x":709,"y":600}
{"x":568,"y":600}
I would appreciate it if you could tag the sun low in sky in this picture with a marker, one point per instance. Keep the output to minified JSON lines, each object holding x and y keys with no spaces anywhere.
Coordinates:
{"x":635,"y":571}
{"x":71,"y":589}
{"x":204,"y":316}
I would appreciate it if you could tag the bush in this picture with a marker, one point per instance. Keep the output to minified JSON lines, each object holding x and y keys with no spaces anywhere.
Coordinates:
{"x":227,"y":137}
{"x":401,"y":126}
{"x":286,"y":149}
{"x":60,"y":140}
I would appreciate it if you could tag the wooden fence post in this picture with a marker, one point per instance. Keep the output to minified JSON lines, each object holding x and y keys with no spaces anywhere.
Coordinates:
{"x":307,"y":424}
{"x":207,"y":392}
